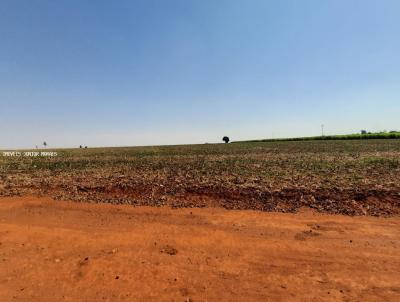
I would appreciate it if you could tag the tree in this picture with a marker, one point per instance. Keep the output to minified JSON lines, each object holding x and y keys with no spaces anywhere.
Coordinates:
{"x":45,"y":144}
{"x":225,"y":139}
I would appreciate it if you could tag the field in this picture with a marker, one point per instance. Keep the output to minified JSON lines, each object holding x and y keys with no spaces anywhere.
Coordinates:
{"x":352,"y":177}
{"x":265,"y":221}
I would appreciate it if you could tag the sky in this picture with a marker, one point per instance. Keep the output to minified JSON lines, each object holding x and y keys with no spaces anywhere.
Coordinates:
{"x":147,"y":72}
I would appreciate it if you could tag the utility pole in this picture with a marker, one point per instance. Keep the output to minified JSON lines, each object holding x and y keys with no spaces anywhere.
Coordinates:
{"x":322,"y":129}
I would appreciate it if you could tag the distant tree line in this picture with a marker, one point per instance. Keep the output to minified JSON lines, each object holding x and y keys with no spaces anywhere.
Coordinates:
{"x":363,"y":135}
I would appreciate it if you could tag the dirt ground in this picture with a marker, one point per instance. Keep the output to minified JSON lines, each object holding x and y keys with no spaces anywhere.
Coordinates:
{"x":65,"y":251}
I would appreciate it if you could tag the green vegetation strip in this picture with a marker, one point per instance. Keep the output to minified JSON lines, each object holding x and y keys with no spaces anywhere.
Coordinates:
{"x":383,"y":135}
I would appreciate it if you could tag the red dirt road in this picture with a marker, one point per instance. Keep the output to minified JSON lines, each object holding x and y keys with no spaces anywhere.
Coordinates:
{"x":62,"y":251}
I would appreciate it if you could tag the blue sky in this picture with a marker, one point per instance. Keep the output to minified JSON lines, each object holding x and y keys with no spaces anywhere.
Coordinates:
{"x":111,"y":73}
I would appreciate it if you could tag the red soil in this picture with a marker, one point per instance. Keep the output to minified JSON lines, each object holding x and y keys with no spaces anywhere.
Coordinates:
{"x":64,"y":251}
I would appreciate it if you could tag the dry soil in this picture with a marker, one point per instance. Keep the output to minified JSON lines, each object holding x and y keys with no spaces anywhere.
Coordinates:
{"x":68,"y":251}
